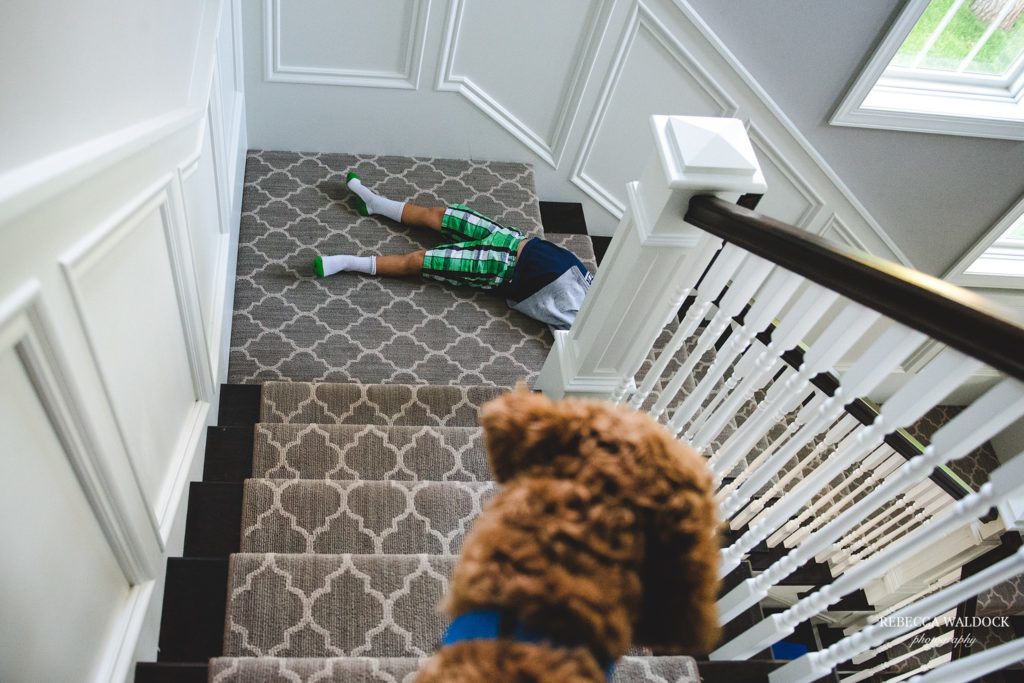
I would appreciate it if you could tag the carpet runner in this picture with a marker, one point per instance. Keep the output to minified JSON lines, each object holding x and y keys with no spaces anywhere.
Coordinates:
{"x":350,"y":532}
{"x":289,"y":325}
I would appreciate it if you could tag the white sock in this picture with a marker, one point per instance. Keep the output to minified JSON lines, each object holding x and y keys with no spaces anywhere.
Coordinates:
{"x":325,"y":266}
{"x":376,"y":204}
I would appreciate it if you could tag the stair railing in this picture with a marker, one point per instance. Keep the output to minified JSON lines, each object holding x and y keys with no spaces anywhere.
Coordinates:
{"x":748,"y":376}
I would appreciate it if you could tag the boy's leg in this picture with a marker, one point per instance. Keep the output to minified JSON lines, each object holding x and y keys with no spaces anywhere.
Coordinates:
{"x":389,"y":266}
{"x":370,"y":203}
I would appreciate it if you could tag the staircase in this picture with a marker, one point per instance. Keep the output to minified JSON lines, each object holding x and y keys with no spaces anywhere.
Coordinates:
{"x":348,"y":464}
{"x":338,"y":492}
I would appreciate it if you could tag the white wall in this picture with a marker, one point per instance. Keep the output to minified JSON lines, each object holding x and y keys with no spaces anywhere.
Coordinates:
{"x":566,"y":86}
{"x":120,"y":189}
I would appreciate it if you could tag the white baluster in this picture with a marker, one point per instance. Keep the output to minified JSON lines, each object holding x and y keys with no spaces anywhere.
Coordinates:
{"x":839,"y":336}
{"x":987,"y":416}
{"x":930,"y":644}
{"x":871,"y":654}
{"x":933,"y":586}
{"x":717,"y":277}
{"x":758,"y":368}
{"x":816,"y":664}
{"x":873,"y":524}
{"x":884,"y":355}
{"x":943,"y":374}
{"x":769,"y":301}
{"x":754,"y":271}
{"x":877,"y":465}
{"x":1007,"y":480}
{"x":840,"y":430}
{"x":917,"y":512}
{"x":977,"y":665}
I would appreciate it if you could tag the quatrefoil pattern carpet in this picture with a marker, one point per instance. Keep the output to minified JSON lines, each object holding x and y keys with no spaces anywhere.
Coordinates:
{"x":287,"y":324}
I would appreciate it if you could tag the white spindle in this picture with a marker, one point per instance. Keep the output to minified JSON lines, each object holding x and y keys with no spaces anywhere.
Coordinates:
{"x":932,"y":587}
{"x":987,"y":416}
{"x":924,"y":668}
{"x":757,"y":368}
{"x":873,"y":468}
{"x":813,"y":665}
{"x":874,"y":524}
{"x":753,"y":271}
{"x":977,"y":665}
{"x":840,"y":430}
{"x":718,"y":275}
{"x":874,"y":652}
{"x":917,"y":512}
{"x":883,"y":356}
{"x":943,"y":374}
{"x":776,"y":292}
{"x":931,"y":644}
{"x":1007,"y":480}
{"x":839,"y":337}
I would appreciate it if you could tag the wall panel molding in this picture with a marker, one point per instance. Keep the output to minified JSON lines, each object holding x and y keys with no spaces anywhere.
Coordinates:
{"x":812,"y":213}
{"x":641,"y":18}
{"x":837,"y":230}
{"x":408,"y":78}
{"x":161,"y":199}
{"x":25,"y":329}
{"x":548,"y":148}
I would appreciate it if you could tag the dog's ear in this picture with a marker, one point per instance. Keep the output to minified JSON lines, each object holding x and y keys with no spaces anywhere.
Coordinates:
{"x":680,"y":570}
{"x":524,"y":429}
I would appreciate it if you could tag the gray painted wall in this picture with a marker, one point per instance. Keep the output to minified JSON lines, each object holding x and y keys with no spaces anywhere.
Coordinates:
{"x":935,"y":195}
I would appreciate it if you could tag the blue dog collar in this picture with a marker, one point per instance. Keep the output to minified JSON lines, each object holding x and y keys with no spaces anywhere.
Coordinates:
{"x":487,"y":624}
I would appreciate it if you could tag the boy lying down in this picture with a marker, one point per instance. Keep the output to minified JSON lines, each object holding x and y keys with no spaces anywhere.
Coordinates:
{"x":535,"y":277}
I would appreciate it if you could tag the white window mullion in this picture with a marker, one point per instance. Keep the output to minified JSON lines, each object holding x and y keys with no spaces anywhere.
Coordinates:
{"x":985,"y":37}
{"x":934,"y":37}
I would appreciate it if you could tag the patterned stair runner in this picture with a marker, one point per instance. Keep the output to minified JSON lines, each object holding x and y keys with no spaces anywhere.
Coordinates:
{"x":303,"y":516}
{"x":360,"y":499}
{"x":315,"y":451}
{"x":289,"y":325}
{"x":403,"y":670}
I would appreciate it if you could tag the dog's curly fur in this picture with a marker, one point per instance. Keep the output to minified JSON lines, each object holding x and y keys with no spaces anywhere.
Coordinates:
{"x":603,"y":535}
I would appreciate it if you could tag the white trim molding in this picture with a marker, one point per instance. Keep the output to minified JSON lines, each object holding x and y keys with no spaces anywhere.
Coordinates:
{"x":895,"y":99}
{"x":987,"y":249}
{"x":407,"y":79}
{"x":549,"y":150}
{"x":25,"y":328}
{"x":163,"y":199}
{"x":641,"y":17}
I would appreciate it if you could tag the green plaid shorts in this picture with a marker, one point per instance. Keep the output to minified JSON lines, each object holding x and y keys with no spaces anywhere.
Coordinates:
{"x":484,"y":255}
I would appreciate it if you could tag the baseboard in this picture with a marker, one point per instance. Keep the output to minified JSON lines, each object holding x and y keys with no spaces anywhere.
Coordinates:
{"x":118,"y":663}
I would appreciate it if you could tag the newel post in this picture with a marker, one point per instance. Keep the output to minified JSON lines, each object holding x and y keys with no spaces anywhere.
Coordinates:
{"x":644,"y":276}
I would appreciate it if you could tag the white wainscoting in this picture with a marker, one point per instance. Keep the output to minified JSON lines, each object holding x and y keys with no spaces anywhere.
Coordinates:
{"x":115,"y":301}
{"x":377,"y":44}
{"x":568,"y":87}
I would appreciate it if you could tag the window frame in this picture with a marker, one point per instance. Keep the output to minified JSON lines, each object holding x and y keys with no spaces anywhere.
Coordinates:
{"x":992,"y":246}
{"x":986,"y":106}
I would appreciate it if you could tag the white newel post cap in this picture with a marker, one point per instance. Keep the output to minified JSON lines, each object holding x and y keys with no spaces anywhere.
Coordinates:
{"x":701,"y":153}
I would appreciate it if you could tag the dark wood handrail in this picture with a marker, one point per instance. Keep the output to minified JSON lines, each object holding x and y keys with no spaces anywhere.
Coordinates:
{"x":952,"y":315}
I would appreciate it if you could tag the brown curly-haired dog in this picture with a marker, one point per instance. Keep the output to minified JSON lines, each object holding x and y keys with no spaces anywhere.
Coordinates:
{"x":603,"y":536}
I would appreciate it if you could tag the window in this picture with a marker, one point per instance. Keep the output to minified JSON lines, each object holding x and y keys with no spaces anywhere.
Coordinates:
{"x":946,"y":66}
{"x":998,"y":259}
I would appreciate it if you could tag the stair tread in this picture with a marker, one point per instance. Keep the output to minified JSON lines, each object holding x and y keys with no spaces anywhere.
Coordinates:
{"x":340,"y":451}
{"x":380,"y":404}
{"x":325,"y":516}
{"x":403,"y":669}
{"x":291,"y":605}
